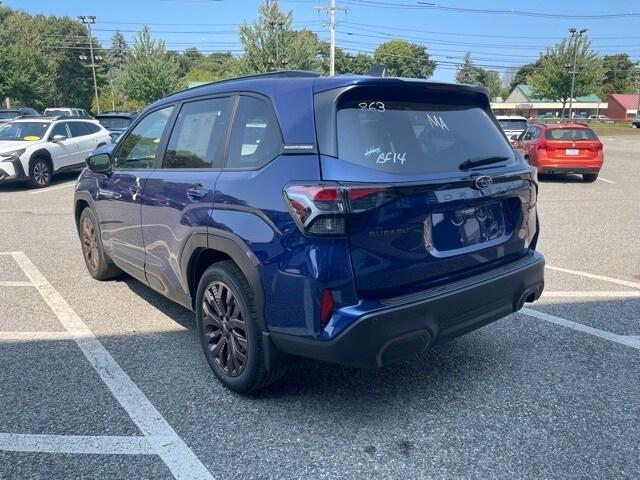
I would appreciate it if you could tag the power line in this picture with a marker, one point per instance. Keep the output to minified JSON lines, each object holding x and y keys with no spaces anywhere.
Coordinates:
{"x":430,"y":6}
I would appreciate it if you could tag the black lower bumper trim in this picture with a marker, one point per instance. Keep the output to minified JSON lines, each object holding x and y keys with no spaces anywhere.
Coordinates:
{"x":564,"y":170}
{"x":404,"y":330}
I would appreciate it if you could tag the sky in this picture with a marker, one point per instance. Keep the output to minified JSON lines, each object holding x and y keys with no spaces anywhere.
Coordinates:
{"x":499,"y":40}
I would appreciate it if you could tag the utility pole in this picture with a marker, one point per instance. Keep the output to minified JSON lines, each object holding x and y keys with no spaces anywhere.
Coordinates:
{"x":88,"y":20}
{"x":331,"y":10}
{"x":577,"y":37}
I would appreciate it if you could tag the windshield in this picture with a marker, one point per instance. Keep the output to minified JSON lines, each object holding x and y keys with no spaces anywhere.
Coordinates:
{"x":394,"y":131}
{"x":513,"y":124}
{"x":21,"y":131}
{"x":53,"y":112}
{"x":5,"y":115}
{"x":571,"y":134}
{"x":115,"y":123}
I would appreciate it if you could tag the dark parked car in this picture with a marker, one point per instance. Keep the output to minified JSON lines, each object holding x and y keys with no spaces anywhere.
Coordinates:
{"x":116,"y":122}
{"x":11,"y":114}
{"x":350,"y":219}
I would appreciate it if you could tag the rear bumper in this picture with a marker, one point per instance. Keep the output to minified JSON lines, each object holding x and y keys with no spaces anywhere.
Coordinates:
{"x":407,"y":326}
{"x":564,"y":169}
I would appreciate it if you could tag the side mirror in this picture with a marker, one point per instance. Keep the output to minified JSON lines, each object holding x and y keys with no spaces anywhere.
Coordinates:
{"x":99,"y":162}
{"x":58,"y":138}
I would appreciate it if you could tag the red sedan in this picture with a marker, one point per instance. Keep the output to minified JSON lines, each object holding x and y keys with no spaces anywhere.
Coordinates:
{"x":562,"y":148}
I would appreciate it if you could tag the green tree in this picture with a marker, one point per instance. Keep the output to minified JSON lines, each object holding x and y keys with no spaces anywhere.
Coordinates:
{"x":216,"y":66}
{"x":148,"y":73}
{"x":491,"y":80}
{"x":469,"y":72}
{"x":618,"y":74}
{"x":25,"y":70}
{"x":523,"y":73}
{"x":553,"y":78}
{"x":404,"y":59}
{"x":116,"y":59}
{"x":271,"y":44}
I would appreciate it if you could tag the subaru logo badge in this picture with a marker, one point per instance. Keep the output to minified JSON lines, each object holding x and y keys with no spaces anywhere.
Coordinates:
{"x":483,"y":182}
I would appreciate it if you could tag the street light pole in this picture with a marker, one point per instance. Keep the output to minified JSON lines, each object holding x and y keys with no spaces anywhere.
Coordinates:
{"x":88,"y":20}
{"x":573,"y":74}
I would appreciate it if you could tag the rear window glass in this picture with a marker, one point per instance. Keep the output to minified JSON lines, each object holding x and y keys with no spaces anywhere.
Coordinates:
{"x":572,"y":134}
{"x":9,"y":114}
{"x":396,"y":131}
{"x":116,"y":123}
{"x":513,"y":124}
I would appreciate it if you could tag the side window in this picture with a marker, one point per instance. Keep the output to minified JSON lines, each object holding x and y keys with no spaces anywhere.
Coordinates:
{"x":92,"y":127}
{"x":139,"y":147}
{"x":535,"y":134}
{"x":255,"y":136}
{"x":78,"y":129}
{"x":527,"y":134}
{"x":60,"y":129}
{"x":197,"y":140}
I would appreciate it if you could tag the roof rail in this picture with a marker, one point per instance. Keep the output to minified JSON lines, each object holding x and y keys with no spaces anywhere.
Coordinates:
{"x":276,"y":74}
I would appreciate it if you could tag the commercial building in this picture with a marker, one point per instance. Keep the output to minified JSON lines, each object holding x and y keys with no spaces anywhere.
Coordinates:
{"x":622,"y":106}
{"x":521,"y":101}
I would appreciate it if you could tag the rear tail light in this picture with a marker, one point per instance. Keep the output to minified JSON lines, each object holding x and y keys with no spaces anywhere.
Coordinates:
{"x":596,"y":148}
{"x":321,"y":209}
{"x":546,"y":146}
{"x":317,"y":209}
{"x":327,"y":306}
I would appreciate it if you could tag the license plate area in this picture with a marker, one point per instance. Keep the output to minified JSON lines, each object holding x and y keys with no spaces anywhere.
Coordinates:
{"x":572,"y":152}
{"x":458,"y":231}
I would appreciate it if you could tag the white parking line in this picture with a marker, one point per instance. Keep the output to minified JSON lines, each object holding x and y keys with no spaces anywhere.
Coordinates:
{"x":34,"y":336}
{"x":111,"y":445}
{"x":592,"y":294}
{"x":50,"y":189}
{"x":16,"y":284}
{"x":165,"y":442}
{"x":629,"y":341}
{"x":606,"y":181}
{"x":617,"y":281}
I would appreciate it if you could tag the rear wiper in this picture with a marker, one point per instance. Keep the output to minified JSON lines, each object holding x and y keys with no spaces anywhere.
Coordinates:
{"x":477,"y":162}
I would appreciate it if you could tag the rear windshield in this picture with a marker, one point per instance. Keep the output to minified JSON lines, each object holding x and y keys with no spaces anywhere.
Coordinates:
{"x":9,"y":114}
{"x":572,"y":134}
{"x":513,"y":124}
{"x":395,"y":130}
{"x":52,"y":112}
{"x":118,"y":123}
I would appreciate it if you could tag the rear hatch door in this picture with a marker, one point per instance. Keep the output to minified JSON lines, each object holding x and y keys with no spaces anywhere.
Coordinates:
{"x":418,"y":216}
{"x":572,"y":145}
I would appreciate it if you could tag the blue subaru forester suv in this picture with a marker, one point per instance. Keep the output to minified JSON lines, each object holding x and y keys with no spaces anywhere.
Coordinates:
{"x":349,"y":219}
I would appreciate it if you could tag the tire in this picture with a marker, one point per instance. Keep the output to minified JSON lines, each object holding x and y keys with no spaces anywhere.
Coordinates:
{"x":99,"y":265}
{"x":230,"y":329}
{"x":40,"y":173}
{"x":589,"y":177}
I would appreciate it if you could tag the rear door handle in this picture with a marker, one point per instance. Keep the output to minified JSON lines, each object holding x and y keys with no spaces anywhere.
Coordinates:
{"x":196,"y":192}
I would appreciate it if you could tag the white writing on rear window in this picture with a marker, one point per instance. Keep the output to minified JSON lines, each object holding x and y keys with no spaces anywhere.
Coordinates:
{"x":436,"y":121}
{"x":373,"y":106}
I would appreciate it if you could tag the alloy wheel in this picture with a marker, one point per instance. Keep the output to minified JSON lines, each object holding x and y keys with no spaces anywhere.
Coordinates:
{"x":90,"y":243}
{"x":41,"y":173}
{"x":224,"y":328}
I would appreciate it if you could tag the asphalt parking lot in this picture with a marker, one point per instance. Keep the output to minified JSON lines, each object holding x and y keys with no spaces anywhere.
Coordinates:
{"x":107,"y":380}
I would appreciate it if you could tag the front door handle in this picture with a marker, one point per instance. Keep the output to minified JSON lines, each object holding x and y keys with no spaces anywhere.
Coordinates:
{"x":196,"y":192}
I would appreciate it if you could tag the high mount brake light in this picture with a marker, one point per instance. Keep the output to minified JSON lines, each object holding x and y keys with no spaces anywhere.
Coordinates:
{"x":321,"y":209}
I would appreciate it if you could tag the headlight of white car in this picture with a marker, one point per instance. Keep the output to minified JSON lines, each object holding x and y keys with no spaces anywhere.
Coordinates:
{"x":12,"y":154}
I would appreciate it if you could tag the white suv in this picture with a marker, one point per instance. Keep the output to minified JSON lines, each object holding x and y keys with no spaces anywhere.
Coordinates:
{"x":34,"y":149}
